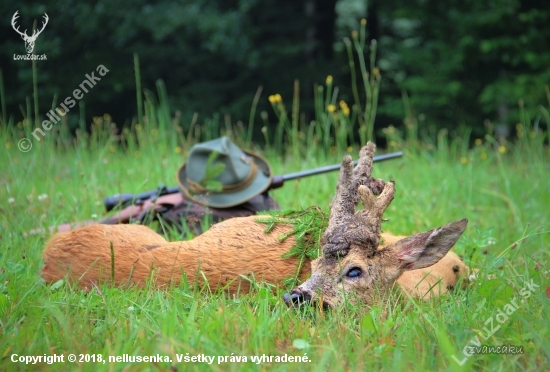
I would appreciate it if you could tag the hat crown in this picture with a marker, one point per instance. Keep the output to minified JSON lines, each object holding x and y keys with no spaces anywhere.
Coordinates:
{"x":236,"y":163}
{"x":245,"y":174}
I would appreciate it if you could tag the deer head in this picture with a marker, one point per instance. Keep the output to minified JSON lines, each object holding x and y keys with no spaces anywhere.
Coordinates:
{"x":29,"y":40}
{"x":351,"y":267}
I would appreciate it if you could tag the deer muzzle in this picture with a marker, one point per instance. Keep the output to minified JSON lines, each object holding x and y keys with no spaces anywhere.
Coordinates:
{"x":296,"y":298}
{"x":308,"y":293}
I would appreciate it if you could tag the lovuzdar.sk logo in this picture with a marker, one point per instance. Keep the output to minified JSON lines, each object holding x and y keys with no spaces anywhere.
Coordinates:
{"x":29,"y":40}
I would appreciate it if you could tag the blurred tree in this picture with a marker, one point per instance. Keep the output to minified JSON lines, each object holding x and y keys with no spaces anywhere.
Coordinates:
{"x":212,"y":54}
{"x":459,"y":61}
{"x":464,"y":61}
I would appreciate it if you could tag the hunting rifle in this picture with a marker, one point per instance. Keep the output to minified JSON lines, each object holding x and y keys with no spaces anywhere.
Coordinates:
{"x":169,"y":204}
{"x":124,"y":200}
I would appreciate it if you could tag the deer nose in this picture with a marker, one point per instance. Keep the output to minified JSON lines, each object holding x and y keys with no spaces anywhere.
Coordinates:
{"x":296,"y":298}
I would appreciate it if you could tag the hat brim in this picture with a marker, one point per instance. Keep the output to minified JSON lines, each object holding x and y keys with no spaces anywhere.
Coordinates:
{"x":230,"y":199}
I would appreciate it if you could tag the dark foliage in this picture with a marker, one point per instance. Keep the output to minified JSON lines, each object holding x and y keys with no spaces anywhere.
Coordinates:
{"x":460,"y":62}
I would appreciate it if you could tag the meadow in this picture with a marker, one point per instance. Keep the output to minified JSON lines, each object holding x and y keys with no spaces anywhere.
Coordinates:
{"x":501,"y":186}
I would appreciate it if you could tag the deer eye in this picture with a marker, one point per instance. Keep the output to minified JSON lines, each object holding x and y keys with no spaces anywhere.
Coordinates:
{"x":354,"y":272}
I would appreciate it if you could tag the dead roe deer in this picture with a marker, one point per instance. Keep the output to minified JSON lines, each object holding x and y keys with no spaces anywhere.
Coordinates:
{"x":357,"y":262}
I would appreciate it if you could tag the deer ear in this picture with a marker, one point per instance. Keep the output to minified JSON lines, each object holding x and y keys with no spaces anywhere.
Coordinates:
{"x":427,"y":248}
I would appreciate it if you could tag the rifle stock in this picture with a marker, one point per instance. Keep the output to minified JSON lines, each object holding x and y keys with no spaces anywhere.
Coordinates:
{"x":278,"y":181}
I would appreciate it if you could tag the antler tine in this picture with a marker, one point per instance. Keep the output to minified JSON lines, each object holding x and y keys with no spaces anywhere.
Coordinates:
{"x":13,"y":23}
{"x":367,"y":188}
{"x":363,"y":171}
{"x":362,"y":174}
{"x":342,"y":204}
{"x":43,"y":25}
{"x":342,"y":211}
{"x":374,"y":208}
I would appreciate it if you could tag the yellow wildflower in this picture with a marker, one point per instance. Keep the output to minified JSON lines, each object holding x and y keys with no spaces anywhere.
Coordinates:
{"x":112,"y":148}
{"x":376,"y":71}
{"x":329,"y":80}
{"x":463,"y":160}
{"x":350,"y":149}
{"x":363,"y":22}
{"x":483,"y":155}
{"x":533,"y":134}
{"x":331,"y":108}
{"x":274,"y":98}
{"x":354,"y":34}
{"x":177,"y":149}
{"x":478,"y":142}
{"x":502,"y":149}
{"x":138,"y":127}
{"x":344,"y":107}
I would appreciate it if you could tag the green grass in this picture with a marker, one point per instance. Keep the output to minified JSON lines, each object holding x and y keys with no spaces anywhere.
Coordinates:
{"x":501,"y":187}
{"x":504,"y":196}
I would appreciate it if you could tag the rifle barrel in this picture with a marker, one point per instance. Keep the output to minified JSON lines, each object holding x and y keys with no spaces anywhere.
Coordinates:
{"x":125,"y":199}
{"x":331,"y":168}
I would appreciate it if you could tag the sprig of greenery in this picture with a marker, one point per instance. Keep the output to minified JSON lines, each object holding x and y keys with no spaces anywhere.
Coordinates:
{"x":212,"y":172}
{"x":308,"y":227}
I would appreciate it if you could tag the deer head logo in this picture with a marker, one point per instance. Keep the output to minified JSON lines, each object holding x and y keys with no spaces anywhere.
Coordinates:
{"x":29,"y":40}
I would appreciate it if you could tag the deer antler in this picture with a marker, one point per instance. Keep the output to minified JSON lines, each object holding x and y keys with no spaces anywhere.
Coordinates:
{"x":36,"y":33}
{"x":24,"y":34}
{"x":345,"y":226}
{"x":13,"y":19}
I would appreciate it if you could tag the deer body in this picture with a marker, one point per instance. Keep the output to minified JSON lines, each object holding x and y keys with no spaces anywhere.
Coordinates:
{"x":228,"y":250}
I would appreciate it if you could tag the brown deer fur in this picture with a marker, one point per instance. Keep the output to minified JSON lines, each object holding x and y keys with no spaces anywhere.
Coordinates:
{"x":231,"y":248}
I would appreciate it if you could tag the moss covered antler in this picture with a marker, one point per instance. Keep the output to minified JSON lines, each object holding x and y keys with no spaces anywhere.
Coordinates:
{"x":345,"y":225}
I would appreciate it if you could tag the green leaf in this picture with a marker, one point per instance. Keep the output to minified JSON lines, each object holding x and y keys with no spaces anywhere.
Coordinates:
{"x":300,"y":344}
{"x":14,"y":267}
{"x":214,"y":186}
{"x":55,"y":286}
{"x":211,"y":173}
{"x":4,"y":304}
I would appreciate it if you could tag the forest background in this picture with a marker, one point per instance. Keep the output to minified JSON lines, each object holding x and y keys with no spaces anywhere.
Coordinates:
{"x":453,"y":64}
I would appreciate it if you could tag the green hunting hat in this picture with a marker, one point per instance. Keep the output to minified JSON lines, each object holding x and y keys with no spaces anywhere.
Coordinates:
{"x":241,"y":176}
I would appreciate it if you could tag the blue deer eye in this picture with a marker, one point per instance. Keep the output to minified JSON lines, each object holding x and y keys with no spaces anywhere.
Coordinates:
{"x":354,"y":272}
